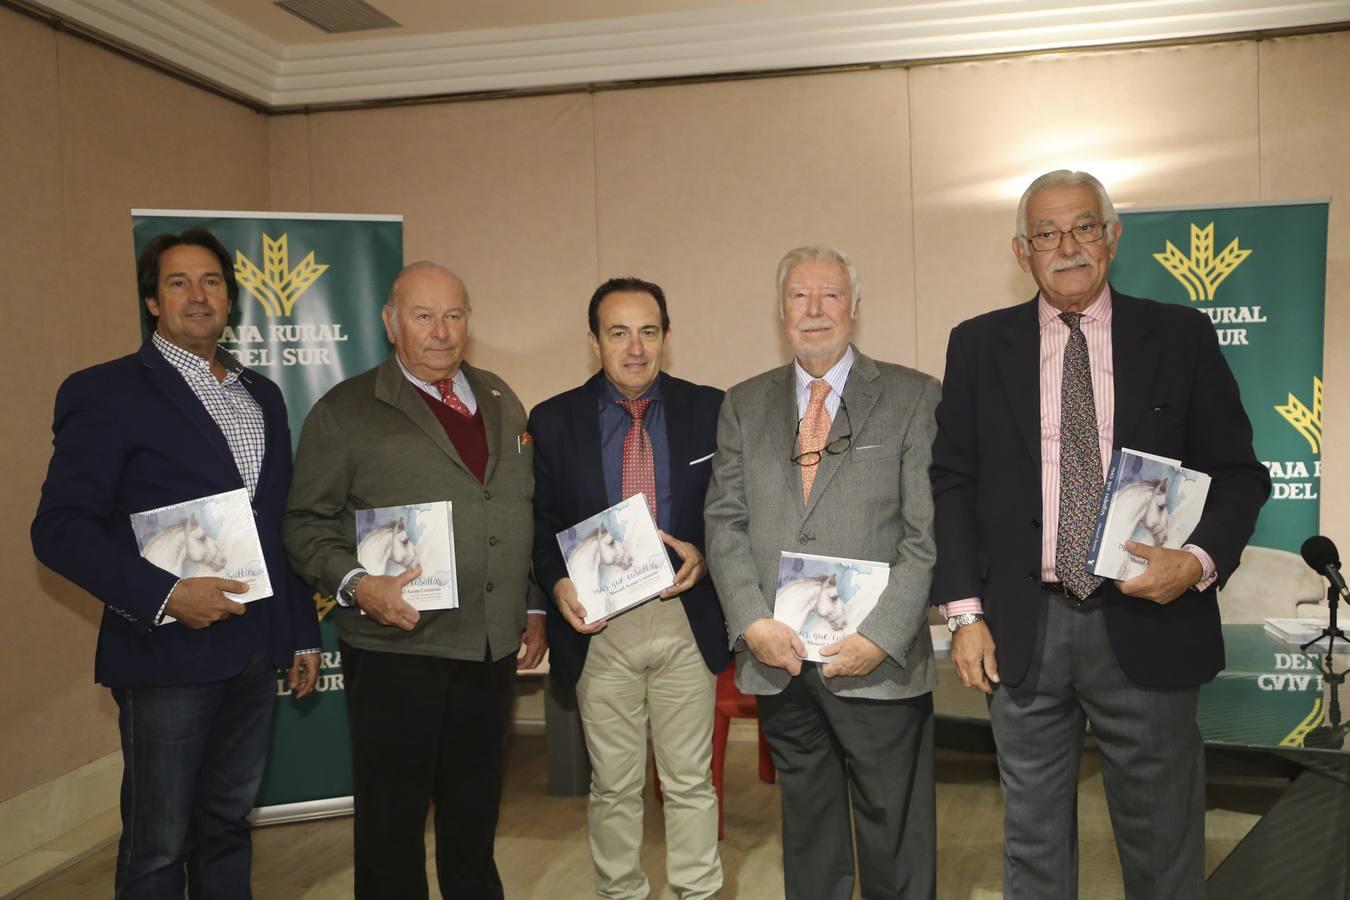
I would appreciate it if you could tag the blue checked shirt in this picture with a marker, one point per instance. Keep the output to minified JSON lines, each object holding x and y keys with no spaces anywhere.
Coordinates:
{"x":228,"y":402}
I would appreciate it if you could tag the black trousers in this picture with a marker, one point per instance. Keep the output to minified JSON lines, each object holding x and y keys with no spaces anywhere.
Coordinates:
{"x":873,"y":758}
{"x":426,"y":731}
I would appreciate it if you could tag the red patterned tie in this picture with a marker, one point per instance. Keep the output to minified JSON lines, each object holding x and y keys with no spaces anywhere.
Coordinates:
{"x":639,"y":464}
{"x":815,"y":432}
{"x":447,"y":388}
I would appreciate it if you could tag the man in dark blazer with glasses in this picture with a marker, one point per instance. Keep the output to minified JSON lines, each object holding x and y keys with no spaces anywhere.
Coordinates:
{"x":852,"y":483}
{"x":1035,"y":398}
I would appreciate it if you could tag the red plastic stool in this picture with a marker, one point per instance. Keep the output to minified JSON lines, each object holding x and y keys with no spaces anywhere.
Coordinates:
{"x":732,"y":704}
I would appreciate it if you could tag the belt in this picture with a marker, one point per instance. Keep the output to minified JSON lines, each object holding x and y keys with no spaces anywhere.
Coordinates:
{"x":1057,"y":587}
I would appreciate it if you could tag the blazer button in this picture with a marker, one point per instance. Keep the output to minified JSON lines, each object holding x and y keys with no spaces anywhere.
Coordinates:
{"x":1035,"y":523}
{"x":488,"y":587}
{"x":492,"y":541}
{"x":487,"y":495}
{"x":803,"y":539}
{"x":1034,"y":576}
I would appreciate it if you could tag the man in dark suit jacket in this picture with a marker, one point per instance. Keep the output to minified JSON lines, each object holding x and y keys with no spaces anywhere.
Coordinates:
{"x":177,"y":421}
{"x":657,"y":661}
{"x":1035,"y":398}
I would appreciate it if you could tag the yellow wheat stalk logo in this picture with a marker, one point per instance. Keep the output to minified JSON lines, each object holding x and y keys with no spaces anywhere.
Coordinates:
{"x":1202,"y":272}
{"x":1311,"y":721}
{"x":1308,"y":422}
{"x":323,"y":605}
{"x":277,"y":286}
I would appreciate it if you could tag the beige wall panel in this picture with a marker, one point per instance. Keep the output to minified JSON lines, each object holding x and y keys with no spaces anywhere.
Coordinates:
{"x":1158,"y":126}
{"x":702,"y":188}
{"x":1305,"y":130}
{"x":136,"y":138}
{"x":288,"y":163}
{"x":45,"y":701}
{"x":500,"y":191}
{"x":88,"y":135}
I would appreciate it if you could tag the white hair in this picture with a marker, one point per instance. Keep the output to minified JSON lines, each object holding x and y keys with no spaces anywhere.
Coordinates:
{"x":1067,"y":178}
{"x":418,"y":266}
{"x":824,"y":252}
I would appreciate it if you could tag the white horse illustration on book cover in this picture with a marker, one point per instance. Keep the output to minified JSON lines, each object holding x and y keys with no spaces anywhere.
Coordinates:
{"x":825,"y":598}
{"x":616,"y":559}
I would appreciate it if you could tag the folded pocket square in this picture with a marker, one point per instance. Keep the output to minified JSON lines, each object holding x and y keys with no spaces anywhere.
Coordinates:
{"x":694,"y":462}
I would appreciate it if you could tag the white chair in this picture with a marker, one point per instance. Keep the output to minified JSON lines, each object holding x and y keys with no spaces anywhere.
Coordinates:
{"x":1271,"y":583}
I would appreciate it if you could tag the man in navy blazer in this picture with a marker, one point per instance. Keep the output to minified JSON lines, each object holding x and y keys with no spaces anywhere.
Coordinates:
{"x":178,"y":420}
{"x":1035,"y":398}
{"x":594,"y":446}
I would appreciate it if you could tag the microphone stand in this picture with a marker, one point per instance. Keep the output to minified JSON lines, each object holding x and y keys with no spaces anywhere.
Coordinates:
{"x":1331,"y":632}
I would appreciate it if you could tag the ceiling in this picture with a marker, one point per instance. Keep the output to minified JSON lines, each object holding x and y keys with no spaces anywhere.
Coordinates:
{"x":256,"y":51}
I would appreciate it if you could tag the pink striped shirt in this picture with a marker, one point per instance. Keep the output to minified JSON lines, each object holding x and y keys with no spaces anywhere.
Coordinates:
{"x":1096,"y":325}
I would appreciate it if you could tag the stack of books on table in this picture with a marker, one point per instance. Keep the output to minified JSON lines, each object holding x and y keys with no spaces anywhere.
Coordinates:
{"x":1294,"y":633}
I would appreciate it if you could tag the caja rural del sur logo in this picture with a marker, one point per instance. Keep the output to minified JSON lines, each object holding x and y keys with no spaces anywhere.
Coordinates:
{"x":278,"y":288}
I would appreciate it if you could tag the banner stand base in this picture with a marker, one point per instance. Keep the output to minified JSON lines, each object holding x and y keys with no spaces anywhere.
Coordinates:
{"x":301,"y":812}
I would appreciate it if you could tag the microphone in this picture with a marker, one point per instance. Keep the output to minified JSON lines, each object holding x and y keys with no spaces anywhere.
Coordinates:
{"x":1321,"y":555}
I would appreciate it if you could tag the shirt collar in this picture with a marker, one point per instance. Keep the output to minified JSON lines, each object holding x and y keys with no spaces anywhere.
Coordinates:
{"x":609,"y":393}
{"x":187,"y":362}
{"x":428,"y":387}
{"x":1099,"y":310}
{"x":836,"y":376}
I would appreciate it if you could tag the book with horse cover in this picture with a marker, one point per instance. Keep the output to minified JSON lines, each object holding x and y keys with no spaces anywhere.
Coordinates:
{"x":214,"y":536}
{"x":391,"y":540}
{"x":616,"y":559}
{"x":1148,"y":499}
{"x":824,"y":598}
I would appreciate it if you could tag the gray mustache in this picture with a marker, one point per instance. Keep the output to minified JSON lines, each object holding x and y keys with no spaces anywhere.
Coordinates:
{"x":1078,"y":259}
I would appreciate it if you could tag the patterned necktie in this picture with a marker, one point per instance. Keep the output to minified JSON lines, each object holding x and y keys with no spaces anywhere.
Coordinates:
{"x":815,"y":432}
{"x":447,"y":388}
{"x":639,"y":463}
{"x":1080,"y":465}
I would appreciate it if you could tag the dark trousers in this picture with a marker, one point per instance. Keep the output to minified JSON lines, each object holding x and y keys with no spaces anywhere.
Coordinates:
{"x":878,"y":754}
{"x":1153,"y":766}
{"x":193,"y":758}
{"x":426,"y":731}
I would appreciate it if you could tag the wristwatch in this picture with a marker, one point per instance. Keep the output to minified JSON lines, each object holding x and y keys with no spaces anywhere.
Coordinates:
{"x":956,"y":622}
{"x":347,"y":595}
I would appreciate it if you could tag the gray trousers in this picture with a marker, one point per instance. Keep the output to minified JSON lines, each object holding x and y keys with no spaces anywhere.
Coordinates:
{"x":878,"y":754}
{"x":1153,"y":765}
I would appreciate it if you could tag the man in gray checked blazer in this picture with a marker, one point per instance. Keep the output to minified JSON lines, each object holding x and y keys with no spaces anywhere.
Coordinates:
{"x":829,"y":456}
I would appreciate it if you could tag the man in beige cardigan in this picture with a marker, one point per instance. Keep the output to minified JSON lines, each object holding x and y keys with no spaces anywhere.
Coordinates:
{"x":428,"y":694}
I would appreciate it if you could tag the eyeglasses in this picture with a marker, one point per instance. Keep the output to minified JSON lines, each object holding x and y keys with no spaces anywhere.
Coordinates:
{"x":834,"y":447}
{"x":1083,"y":233}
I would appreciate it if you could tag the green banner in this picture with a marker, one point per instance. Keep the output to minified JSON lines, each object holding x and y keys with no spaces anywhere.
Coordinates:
{"x":310,"y":291}
{"x":1259,"y":273}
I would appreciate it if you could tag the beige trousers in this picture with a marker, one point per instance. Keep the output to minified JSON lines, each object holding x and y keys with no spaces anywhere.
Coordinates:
{"x":646,"y":667}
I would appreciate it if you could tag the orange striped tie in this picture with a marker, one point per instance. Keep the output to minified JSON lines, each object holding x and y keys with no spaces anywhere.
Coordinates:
{"x":815,"y":432}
